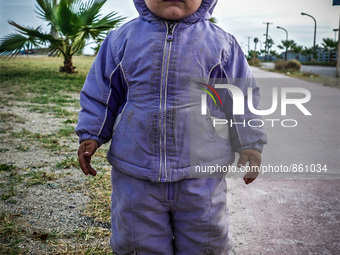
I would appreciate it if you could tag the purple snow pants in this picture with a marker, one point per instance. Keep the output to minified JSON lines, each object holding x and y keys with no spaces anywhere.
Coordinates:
{"x":188,"y":217}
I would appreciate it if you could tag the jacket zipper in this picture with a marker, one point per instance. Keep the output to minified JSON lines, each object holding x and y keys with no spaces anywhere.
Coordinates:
{"x":163,"y":97}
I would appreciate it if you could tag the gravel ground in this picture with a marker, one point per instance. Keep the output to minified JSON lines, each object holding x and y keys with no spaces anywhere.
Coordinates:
{"x":270,"y":216}
{"x":285,"y":216}
{"x":58,"y":204}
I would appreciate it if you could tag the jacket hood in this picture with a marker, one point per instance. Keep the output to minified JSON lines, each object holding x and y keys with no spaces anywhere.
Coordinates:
{"x":203,"y":12}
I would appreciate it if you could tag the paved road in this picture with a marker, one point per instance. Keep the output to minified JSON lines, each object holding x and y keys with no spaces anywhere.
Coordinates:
{"x":292,"y":214}
{"x":327,"y":71}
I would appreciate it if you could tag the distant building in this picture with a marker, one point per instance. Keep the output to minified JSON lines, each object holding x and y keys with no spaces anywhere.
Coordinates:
{"x":269,"y":58}
{"x":322,"y":56}
{"x":326,"y":55}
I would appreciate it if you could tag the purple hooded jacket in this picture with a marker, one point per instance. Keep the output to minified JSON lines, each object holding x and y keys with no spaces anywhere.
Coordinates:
{"x":140,"y":94}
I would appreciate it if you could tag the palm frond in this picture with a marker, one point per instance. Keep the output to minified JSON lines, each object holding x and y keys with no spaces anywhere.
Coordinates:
{"x":89,"y":12}
{"x":67,"y":22}
{"x":35,"y":33}
{"x":108,"y":22}
{"x":45,"y":9}
{"x":78,"y":42}
{"x":27,"y":38}
{"x":12,"y":44}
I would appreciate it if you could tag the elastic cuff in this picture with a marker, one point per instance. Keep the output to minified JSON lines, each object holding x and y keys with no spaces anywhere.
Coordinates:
{"x":254,"y":146}
{"x":86,"y":136}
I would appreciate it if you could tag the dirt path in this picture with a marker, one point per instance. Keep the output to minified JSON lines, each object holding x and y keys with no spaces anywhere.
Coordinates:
{"x":285,"y":216}
{"x":286,"y":213}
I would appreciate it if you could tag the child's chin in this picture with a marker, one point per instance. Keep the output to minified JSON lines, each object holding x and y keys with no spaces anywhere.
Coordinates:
{"x":174,"y":1}
{"x":174,"y":13}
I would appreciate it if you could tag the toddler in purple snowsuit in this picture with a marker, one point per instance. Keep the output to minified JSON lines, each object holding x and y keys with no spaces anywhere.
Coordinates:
{"x":140,"y":95}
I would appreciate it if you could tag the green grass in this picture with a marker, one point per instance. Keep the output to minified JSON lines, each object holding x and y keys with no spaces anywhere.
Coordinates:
{"x":35,"y":83}
{"x":326,"y":81}
{"x":10,"y":235}
{"x":7,"y":167}
{"x":100,"y":191}
{"x":22,"y":147}
{"x":51,"y":142}
{"x":66,"y":131}
{"x":43,"y":73}
{"x":13,"y":176}
{"x":54,"y":110}
{"x":5,"y":117}
{"x":68,"y":162}
{"x":14,"y":230}
{"x":61,"y":100}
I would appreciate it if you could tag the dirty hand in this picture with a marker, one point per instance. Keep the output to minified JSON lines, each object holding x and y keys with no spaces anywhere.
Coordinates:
{"x":86,"y":149}
{"x":254,"y":158}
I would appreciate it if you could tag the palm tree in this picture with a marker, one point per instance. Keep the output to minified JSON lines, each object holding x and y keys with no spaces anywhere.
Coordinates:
{"x":268,"y":44}
{"x":287,"y":45}
{"x":297,"y":49}
{"x":275,"y":54}
{"x":261,"y":52}
{"x":253,"y":54}
{"x":72,"y":23}
{"x":330,"y":45}
{"x":307,"y":52}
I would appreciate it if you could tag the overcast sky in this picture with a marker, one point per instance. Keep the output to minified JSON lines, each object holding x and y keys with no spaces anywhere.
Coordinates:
{"x":242,"y":18}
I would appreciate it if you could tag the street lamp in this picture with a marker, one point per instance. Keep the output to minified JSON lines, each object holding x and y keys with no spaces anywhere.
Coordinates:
{"x":302,"y":13}
{"x":335,"y":30}
{"x":286,"y":41}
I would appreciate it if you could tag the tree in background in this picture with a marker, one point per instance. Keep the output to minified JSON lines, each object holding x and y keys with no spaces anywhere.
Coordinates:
{"x":307,"y":52}
{"x":262,"y":52}
{"x":269,"y":44}
{"x":275,"y":54}
{"x":253,"y":54}
{"x":330,"y":45}
{"x":297,"y":49}
{"x":286,"y":45}
{"x":72,"y":23}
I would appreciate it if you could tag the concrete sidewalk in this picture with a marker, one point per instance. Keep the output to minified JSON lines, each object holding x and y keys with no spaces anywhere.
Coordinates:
{"x":285,"y":213}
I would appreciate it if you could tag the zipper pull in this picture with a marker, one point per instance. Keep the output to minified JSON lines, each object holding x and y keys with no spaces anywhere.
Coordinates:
{"x":170,"y":36}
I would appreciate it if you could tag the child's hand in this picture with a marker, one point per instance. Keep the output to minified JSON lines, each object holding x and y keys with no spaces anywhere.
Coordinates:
{"x":86,"y":149}
{"x":254,"y":158}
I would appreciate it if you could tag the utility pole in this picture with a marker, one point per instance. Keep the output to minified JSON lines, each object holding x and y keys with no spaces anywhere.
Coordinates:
{"x":248,"y":44}
{"x":335,"y":30}
{"x":256,"y":40}
{"x":337,"y":75}
{"x":266,"y":44}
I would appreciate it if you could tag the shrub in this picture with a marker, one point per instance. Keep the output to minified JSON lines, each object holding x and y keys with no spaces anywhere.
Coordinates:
{"x":279,"y":65}
{"x":293,"y":64}
{"x":257,"y":62}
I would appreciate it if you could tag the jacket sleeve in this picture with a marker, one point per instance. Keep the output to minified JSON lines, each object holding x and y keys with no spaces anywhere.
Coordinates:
{"x":242,"y":135}
{"x":100,"y":99}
